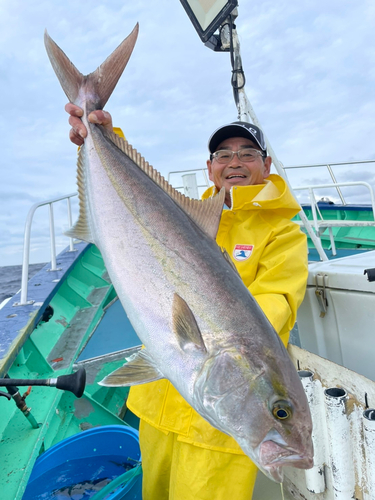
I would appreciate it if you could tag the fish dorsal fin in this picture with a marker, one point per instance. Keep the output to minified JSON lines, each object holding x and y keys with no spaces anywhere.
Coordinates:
{"x":139,"y":369}
{"x":205,"y":213}
{"x":100,"y":82}
{"x":185,"y":325}
{"x":81,"y":228}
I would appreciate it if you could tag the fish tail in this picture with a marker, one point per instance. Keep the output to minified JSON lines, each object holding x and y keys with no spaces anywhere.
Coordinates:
{"x":99,"y":84}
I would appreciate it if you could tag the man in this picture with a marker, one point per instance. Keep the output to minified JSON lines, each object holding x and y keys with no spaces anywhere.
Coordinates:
{"x":183,"y":456}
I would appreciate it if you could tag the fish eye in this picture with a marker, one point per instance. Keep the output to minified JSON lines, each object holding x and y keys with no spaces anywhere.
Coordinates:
{"x":281,"y":410}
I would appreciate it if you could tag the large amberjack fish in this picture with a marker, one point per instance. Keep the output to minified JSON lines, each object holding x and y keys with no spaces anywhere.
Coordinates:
{"x":200,"y":326}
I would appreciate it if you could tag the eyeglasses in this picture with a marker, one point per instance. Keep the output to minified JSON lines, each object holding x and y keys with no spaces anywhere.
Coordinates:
{"x":246,"y":155}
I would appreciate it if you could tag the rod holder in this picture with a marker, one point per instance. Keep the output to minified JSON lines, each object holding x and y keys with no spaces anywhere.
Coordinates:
{"x":340,"y":448}
{"x":315,"y":477}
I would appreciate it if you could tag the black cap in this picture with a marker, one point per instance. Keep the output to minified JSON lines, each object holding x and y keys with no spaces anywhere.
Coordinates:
{"x":237,"y":129}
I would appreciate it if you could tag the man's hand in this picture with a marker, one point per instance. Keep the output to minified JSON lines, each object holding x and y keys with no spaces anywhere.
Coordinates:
{"x":78,"y":131}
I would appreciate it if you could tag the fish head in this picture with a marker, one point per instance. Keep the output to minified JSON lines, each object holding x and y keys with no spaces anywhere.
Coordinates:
{"x":266,"y":412}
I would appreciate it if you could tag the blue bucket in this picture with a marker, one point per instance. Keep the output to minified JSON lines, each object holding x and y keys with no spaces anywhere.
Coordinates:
{"x":101,"y":463}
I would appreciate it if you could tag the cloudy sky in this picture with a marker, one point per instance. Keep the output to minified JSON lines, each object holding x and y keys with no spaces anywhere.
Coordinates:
{"x":309,"y":65}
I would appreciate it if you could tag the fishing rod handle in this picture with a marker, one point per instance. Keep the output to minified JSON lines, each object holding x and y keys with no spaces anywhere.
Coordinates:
{"x":74,"y":382}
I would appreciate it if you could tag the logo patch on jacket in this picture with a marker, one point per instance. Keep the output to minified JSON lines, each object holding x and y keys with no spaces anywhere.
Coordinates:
{"x":242,"y":252}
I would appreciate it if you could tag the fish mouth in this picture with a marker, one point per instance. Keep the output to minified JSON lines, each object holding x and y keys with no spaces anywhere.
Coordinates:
{"x":274,"y":456}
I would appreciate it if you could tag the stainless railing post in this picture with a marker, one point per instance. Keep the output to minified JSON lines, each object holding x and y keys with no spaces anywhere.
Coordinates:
{"x":313,"y":209}
{"x":25,"y":260}
{"x":190,"y":171}
{"x":71,"y":244}
{"x":335,"y":181}
{"x":52,"y":238}
{"x":26,"y":245}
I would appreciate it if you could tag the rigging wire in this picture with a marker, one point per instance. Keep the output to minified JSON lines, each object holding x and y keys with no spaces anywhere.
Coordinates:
{"x":238,"y":74}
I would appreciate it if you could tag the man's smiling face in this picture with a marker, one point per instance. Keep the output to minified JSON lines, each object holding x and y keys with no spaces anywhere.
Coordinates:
{"x":237,"y":172}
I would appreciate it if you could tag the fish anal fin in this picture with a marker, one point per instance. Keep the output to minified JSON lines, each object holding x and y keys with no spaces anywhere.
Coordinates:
{"x":138,"y":370}
{"x":205,"y":213}
{"x":81,"y":229}
{"x":185,"y":325}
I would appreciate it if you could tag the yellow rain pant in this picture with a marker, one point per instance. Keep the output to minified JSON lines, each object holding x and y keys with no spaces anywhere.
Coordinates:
{"x":175,"y":470}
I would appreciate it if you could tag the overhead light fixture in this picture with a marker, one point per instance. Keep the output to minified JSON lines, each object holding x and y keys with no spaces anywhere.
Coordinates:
{"x":208,"y":15}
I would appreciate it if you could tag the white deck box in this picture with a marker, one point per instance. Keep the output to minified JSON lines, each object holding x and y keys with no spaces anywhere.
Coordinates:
{"x":337,"y":317}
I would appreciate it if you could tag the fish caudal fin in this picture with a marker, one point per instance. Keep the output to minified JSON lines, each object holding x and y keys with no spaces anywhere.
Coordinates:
{"x":69,"y":77}
{"x":101,"y":82}
{"x":138,"y":370}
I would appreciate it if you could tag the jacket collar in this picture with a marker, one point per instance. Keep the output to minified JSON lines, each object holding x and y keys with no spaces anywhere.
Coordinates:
{"x":274,"y":194}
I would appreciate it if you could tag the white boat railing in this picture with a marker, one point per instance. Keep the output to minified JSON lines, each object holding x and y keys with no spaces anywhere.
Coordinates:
{"x":26,"y":242}
{"x":329,"y":166}
{"x":189,"y":182}
{"x":320,"y":223}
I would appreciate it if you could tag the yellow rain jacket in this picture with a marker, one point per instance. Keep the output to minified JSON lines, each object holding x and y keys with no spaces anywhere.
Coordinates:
{"x":270,"y":253}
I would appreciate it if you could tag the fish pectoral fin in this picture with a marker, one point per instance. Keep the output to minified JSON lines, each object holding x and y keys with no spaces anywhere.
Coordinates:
{"x":138,"y":370}
{"x":185,"y":325}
